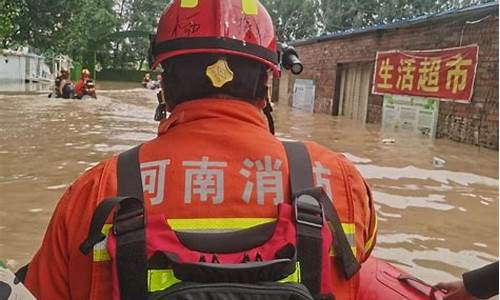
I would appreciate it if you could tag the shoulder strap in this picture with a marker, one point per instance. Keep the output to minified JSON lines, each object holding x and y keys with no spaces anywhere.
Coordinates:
{"x":299,"y":166}
{"x":308,"y":217}
{"x":129,"y":174}
{"x":129,"y":229}
{"x":302,"y":184}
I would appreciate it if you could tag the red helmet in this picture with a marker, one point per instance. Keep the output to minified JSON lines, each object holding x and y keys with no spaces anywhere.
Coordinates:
{"x":238,"y":27}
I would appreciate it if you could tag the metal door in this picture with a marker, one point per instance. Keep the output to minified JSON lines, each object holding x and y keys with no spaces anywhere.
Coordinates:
{"x":355,"y":82}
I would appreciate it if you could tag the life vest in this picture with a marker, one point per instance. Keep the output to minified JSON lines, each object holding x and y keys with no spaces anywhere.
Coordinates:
{"x":79,"y":88}
{"x":285,"y":259}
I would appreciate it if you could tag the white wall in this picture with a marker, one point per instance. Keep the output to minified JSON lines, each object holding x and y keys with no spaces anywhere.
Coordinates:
{"x":12,"y":67}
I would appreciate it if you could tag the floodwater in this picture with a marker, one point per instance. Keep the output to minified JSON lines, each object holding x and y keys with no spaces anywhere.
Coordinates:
{"x":437,"y":201}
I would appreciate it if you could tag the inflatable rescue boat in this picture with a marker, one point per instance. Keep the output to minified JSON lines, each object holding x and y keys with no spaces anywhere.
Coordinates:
{"x":381,"y":280}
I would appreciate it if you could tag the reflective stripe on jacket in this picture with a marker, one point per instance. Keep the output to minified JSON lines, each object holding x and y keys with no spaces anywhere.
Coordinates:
{"x":213,"y":161}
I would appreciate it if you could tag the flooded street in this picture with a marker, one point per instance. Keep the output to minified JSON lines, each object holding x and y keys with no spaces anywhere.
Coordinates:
{"x":436,"y":219}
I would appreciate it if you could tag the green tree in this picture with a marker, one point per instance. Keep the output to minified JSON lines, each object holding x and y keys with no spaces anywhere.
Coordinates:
{"x":293,"y":19}
{"x":41,"y":23}
{"x":58,"y":26}
{"x":86,"y":29}
{"x":80,"y":28}
{"x":9,"y":11}
{"x":135,"y":16}
{"x":337,"y":15}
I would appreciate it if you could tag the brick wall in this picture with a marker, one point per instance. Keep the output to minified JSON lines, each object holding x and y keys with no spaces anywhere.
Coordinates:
{"x":474,"y":123}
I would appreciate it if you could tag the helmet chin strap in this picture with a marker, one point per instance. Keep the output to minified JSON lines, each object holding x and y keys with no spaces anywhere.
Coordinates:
{"x":161,"y":109}
{"x":267,"y":112}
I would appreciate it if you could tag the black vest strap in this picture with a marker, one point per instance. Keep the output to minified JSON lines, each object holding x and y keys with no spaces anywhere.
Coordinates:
{"x":129,"y":229}
{"x":99,"y":218}
{"x":129,"y":174}
{"x":299,"y":166}
{"x":343,"y":253}
{"x":310,"y":204}
{"x":308,"y":216}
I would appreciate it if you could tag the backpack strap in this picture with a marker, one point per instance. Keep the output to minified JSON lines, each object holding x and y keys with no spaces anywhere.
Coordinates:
{"x":129,"y":174}
{"x":311,"y":204}
{"x":308,"y":217}
{"x":128,"y":228}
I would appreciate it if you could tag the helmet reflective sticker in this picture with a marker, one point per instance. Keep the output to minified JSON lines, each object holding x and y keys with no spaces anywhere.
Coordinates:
{"x":219,"y":73}
{"x":249,"y":7}
{"x":189,"y":3}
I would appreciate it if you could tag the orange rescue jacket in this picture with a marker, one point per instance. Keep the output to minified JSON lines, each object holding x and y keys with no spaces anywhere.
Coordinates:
{"x":228,"y":139}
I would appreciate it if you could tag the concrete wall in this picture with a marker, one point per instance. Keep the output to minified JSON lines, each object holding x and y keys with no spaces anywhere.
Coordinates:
{"x":474,"y":123}
{"x":12,"y":67}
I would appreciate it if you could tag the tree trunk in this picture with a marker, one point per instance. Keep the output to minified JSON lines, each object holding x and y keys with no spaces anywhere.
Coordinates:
{"x":140,"y":65}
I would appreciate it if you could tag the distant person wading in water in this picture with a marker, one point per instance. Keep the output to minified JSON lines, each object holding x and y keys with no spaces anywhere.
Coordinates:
{"x":146,"y":80}
{"x":63,"y":85}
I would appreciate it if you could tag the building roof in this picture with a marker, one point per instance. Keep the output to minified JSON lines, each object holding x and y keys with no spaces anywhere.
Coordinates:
{"x":472,"y":10}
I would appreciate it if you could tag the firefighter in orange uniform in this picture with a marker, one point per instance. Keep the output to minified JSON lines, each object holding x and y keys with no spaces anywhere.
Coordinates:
{"x":80,"y":86}
{"x":214,"y":159}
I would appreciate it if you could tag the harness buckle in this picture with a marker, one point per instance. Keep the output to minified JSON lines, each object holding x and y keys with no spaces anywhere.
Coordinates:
{"x":308,"y":211}
{"x":133,"y":220}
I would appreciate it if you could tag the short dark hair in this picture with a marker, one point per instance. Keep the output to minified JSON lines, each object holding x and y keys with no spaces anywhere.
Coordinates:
{"x":184,"y":78}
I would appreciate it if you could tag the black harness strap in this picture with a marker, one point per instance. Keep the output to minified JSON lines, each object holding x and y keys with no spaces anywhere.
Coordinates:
{"x":343,"y":253}
{"x":344,"y":256}
{"x":306,"y":197}
{"x":129,"y":229}
{"x":99,"y":218}
{"x":299,"y":166}
{"x":129,"y":174}
{"x":308,"y":216}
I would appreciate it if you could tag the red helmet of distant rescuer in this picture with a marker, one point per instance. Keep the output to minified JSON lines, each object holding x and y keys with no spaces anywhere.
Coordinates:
{"x":236,"y":27}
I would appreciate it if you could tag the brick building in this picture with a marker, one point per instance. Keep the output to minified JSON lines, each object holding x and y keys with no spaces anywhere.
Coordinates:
{"x":329,"y":59}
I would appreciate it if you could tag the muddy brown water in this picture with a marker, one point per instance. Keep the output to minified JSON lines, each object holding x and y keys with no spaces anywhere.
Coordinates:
{"x":435,"y":221}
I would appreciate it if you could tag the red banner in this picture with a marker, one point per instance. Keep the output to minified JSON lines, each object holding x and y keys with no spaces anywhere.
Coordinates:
{"x":446,"y":74}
